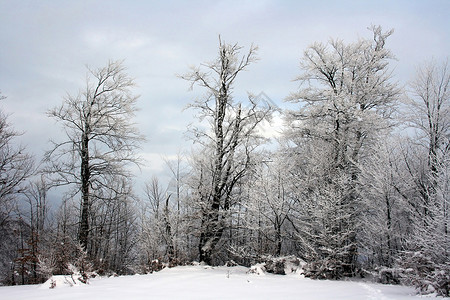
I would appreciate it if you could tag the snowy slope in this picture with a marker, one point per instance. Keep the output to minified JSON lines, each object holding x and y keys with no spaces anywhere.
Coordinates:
{"x":199,"y":282}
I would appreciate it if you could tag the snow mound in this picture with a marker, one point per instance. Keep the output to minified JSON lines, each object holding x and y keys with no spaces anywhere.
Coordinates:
{"x":257,"y":269}
{"x":59,"y":281}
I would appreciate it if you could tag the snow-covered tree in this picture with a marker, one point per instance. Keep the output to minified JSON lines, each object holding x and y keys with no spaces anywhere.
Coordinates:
{"x":269,"y":205}
{"x":156,"y":214}
{"x":428,"y":167}
{"x":228,"y":141}
{"x":385,"y":216}
{"x":347,"y":99}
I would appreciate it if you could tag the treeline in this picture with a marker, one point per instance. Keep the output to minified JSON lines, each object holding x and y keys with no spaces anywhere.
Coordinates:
{"x":358,"y":184}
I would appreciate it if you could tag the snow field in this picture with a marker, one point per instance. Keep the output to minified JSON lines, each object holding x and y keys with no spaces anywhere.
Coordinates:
{"x":203,"y":282}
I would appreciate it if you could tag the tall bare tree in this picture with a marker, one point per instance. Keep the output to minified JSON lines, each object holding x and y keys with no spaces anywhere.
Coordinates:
{"x":229,"y":140}
{"x":100,"y":137}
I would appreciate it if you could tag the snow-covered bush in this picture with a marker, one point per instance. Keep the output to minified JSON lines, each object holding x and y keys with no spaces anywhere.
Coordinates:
{"x":46,"y":266}
{"x":387,"y":275}
{"x":67,"y":258}
{"x":277,"y":265}
{"x":327,"y":268}
{"x":421,"y":271}
{"x":156,"y":265}
{"x":231,"y":263}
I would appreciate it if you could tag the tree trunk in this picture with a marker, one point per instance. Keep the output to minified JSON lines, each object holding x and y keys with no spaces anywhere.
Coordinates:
{"x":84,"y":222}
{"x":211,"y":233}
{"x":170,"y":248}
{"x":279,"y":241}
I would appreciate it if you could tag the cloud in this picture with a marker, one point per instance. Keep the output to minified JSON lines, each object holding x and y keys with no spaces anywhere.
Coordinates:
{"x":120,"y":39}
{"x":46,"y":45}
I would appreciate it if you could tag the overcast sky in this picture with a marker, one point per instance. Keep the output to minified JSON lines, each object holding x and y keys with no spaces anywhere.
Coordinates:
{"x":45,"y":46}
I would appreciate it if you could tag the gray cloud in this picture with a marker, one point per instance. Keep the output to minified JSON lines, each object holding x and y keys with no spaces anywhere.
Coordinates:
{"x":46,"y":44}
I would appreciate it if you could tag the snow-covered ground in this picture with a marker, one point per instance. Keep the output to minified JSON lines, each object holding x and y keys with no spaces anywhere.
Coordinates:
{"x":202,"y":282}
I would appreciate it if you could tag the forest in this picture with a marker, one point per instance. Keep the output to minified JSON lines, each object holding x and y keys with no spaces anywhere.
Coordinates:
{"x":357,"y":184}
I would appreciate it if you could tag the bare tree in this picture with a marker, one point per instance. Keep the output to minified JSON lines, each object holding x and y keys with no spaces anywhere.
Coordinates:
{"x":228,"y":141}
{"x":385,"y":216}
{"x":430,"y":115}
{"x":428,"y":165}
{"x":38,"y":219}
{"x":100,"y":138}
{"x":269,"y":203}
{"x":158,"y":223}
{"x":15,"y":167}
{"x":113,"y":227}
{"x":172,"y":217}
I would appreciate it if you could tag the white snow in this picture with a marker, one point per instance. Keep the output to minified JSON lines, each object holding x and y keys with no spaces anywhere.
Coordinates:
{"x":203,"y":282}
